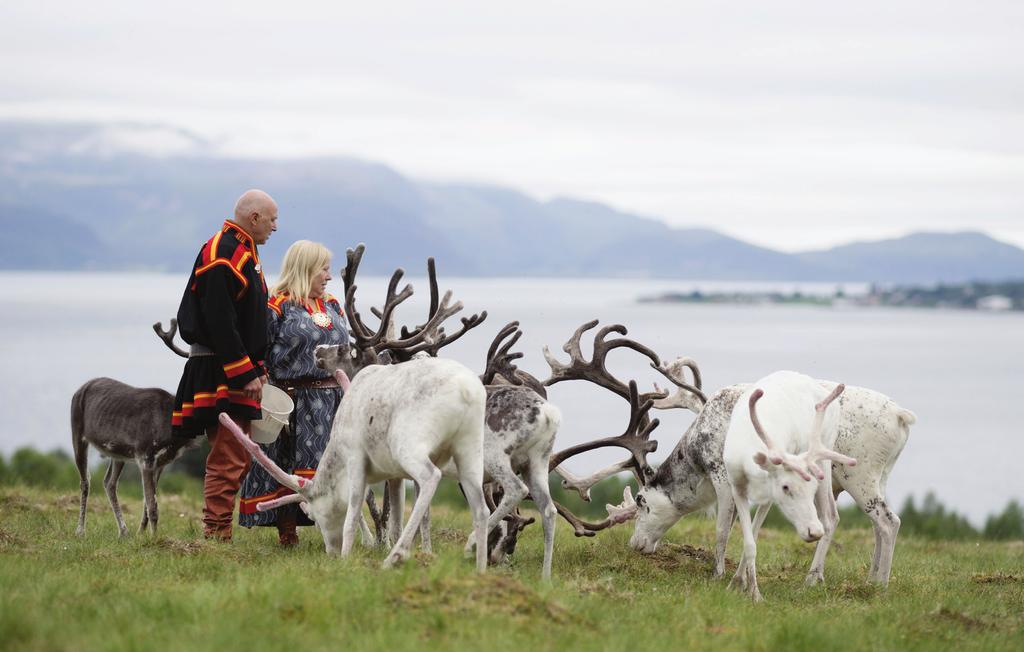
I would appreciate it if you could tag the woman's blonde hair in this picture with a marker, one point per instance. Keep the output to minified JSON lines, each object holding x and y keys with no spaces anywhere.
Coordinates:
{"x":303,"y":260}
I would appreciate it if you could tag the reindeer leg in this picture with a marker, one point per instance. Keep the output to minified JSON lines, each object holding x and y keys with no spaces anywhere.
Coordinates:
{"x":82,"y":462}
{"x":886,"y":525}
{"x":394,"y":493}
{"x":890,"y":528}
{"x":149,"y":496}
{"x":354,"y":507}
{"x":427,"y":476}
{"x":747,"y":571}
{"x":726,"y":517}
{"x":540,"y":491}
{"x":424,"y":531}
{"x":825,"y":502}
{"x":366,"y":535}
{"x":110,"y":479}
{"x":514,"y":491}
{"x":759,"y":516}
{"x":759,"y":519}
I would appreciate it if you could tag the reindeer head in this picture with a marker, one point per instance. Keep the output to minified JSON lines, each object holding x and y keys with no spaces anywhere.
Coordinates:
{"x":346,"y":358}
{"x":321,"y":506}
{"x":793,"y":479}
{"x":655,"y":514}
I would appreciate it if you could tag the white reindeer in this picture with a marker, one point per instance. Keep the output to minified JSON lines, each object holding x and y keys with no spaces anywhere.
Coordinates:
{"x":396,"y":421}
{"x":519,"y":432}
{"x":872,"y":428}
{"x":783,"y":467}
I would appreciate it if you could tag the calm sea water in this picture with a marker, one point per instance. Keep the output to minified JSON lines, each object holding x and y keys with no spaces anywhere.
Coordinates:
{"x":960,"y":372}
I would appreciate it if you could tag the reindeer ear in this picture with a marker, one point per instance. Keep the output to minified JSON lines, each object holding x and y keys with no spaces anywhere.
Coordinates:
{"x":762,"y":460}
{"x":384,"y":358}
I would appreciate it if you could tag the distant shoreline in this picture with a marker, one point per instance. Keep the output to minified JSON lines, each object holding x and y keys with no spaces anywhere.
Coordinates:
{"x":989,"y":297}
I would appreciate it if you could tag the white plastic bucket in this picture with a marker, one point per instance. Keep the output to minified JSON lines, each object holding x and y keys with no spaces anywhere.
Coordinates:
{"x":277,"y":406}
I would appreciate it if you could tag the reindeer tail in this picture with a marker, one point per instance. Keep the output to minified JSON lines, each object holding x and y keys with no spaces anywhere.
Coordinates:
{"x":906,"y":417}
{"x":78,"y":415}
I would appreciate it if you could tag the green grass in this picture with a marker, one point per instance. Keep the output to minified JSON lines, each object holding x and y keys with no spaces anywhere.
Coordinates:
{"x":176,"y":591}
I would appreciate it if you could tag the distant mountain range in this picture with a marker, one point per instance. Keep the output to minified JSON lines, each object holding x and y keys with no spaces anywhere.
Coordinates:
{"x":78,"y":197}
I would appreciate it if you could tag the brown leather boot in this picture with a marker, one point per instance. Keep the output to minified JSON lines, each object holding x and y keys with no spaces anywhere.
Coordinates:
{"x":286,"y":532}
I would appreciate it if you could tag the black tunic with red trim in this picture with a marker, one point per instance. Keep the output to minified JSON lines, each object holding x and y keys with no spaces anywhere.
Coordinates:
{"x":224,"y":310}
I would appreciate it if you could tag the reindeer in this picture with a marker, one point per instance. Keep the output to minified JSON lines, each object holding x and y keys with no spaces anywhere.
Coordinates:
{"x":123,"y":423}
{"x":872,"y":428}
{"x":396,"y":421}
{"x":636,"y":437}
{"x":519,"y":430}
{"x":519,"y":434}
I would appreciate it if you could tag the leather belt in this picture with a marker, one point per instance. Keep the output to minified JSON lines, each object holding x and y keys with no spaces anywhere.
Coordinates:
{"x":199,"y":351}
{"x":293,"y":384}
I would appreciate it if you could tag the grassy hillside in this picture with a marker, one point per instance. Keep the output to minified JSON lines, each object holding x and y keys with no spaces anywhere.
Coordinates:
{"x":178,"y":591}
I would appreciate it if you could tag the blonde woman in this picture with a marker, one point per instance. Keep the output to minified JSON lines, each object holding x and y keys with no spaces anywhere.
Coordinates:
{"x":300,"y":316}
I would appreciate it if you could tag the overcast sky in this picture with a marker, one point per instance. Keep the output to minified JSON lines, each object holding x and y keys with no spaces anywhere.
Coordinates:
{"x":790,"y":124}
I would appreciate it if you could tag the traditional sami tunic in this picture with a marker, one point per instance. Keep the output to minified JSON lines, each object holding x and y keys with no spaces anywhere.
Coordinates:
{"x":293,"y":332}
{"x":223,"y":315}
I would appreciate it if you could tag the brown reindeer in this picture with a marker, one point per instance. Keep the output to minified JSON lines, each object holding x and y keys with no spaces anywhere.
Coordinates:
{"x":123,"y":423}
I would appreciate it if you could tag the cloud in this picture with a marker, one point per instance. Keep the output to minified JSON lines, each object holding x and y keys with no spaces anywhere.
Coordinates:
{"x":794,"y":124}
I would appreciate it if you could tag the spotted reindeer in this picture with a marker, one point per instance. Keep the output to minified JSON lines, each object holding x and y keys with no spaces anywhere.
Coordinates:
{"x":871,"y":428}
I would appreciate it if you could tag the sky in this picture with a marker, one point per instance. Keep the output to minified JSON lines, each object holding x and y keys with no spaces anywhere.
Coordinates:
{"x":793,"y":125}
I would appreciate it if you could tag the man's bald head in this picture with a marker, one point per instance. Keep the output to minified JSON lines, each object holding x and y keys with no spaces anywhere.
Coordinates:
{"x":256,"y":212}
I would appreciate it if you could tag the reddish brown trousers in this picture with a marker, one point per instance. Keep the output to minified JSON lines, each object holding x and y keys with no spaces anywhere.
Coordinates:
{"x":226,"y":465}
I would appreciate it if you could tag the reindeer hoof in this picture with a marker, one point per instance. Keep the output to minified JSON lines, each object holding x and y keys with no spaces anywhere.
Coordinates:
{"x":393,"y":559}
{"x":814,"y":579}
{"x":738,"y":582}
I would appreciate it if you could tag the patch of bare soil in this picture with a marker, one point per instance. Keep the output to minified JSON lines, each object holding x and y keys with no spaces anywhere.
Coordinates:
{"x":15,"y":501}
{"x":448,"y":534}
{"x":605,"y":587}
{"x":9,"y":541}
{"x":997,"y":578}
{"x":424,"y":559}
{"x":859,"y":590}
{"x":69,"y":502}
{"x":671,"y":556}
{"x":960,"y":618}
{"x":493,"y":593}
{"x":181,"y":547}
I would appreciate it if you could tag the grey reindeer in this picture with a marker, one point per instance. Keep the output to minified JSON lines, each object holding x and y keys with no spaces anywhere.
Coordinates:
{"x":124,"y":423}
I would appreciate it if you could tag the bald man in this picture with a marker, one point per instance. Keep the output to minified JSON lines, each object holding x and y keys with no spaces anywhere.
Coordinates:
{"x":223,"y":316}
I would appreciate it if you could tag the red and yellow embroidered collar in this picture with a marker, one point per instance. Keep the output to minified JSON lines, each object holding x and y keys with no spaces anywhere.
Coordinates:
{"x":242,"y":235}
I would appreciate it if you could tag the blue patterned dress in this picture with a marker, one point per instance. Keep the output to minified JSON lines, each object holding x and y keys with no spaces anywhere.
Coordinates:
{"x":292,"y":337}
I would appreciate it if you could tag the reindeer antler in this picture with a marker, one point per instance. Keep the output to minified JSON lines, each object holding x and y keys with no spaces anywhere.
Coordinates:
{"x":807,"y":461}
{"x":365,"y":337}
{"x":595,"y":370}
{"x":430,"y":336}
{"x":635,"y":439}
{"x":168,"y":336}
{"x":817,"y":450}
{"x":688,"y":396}
{"x":499,"y":362}
{"x":617,"y":514}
